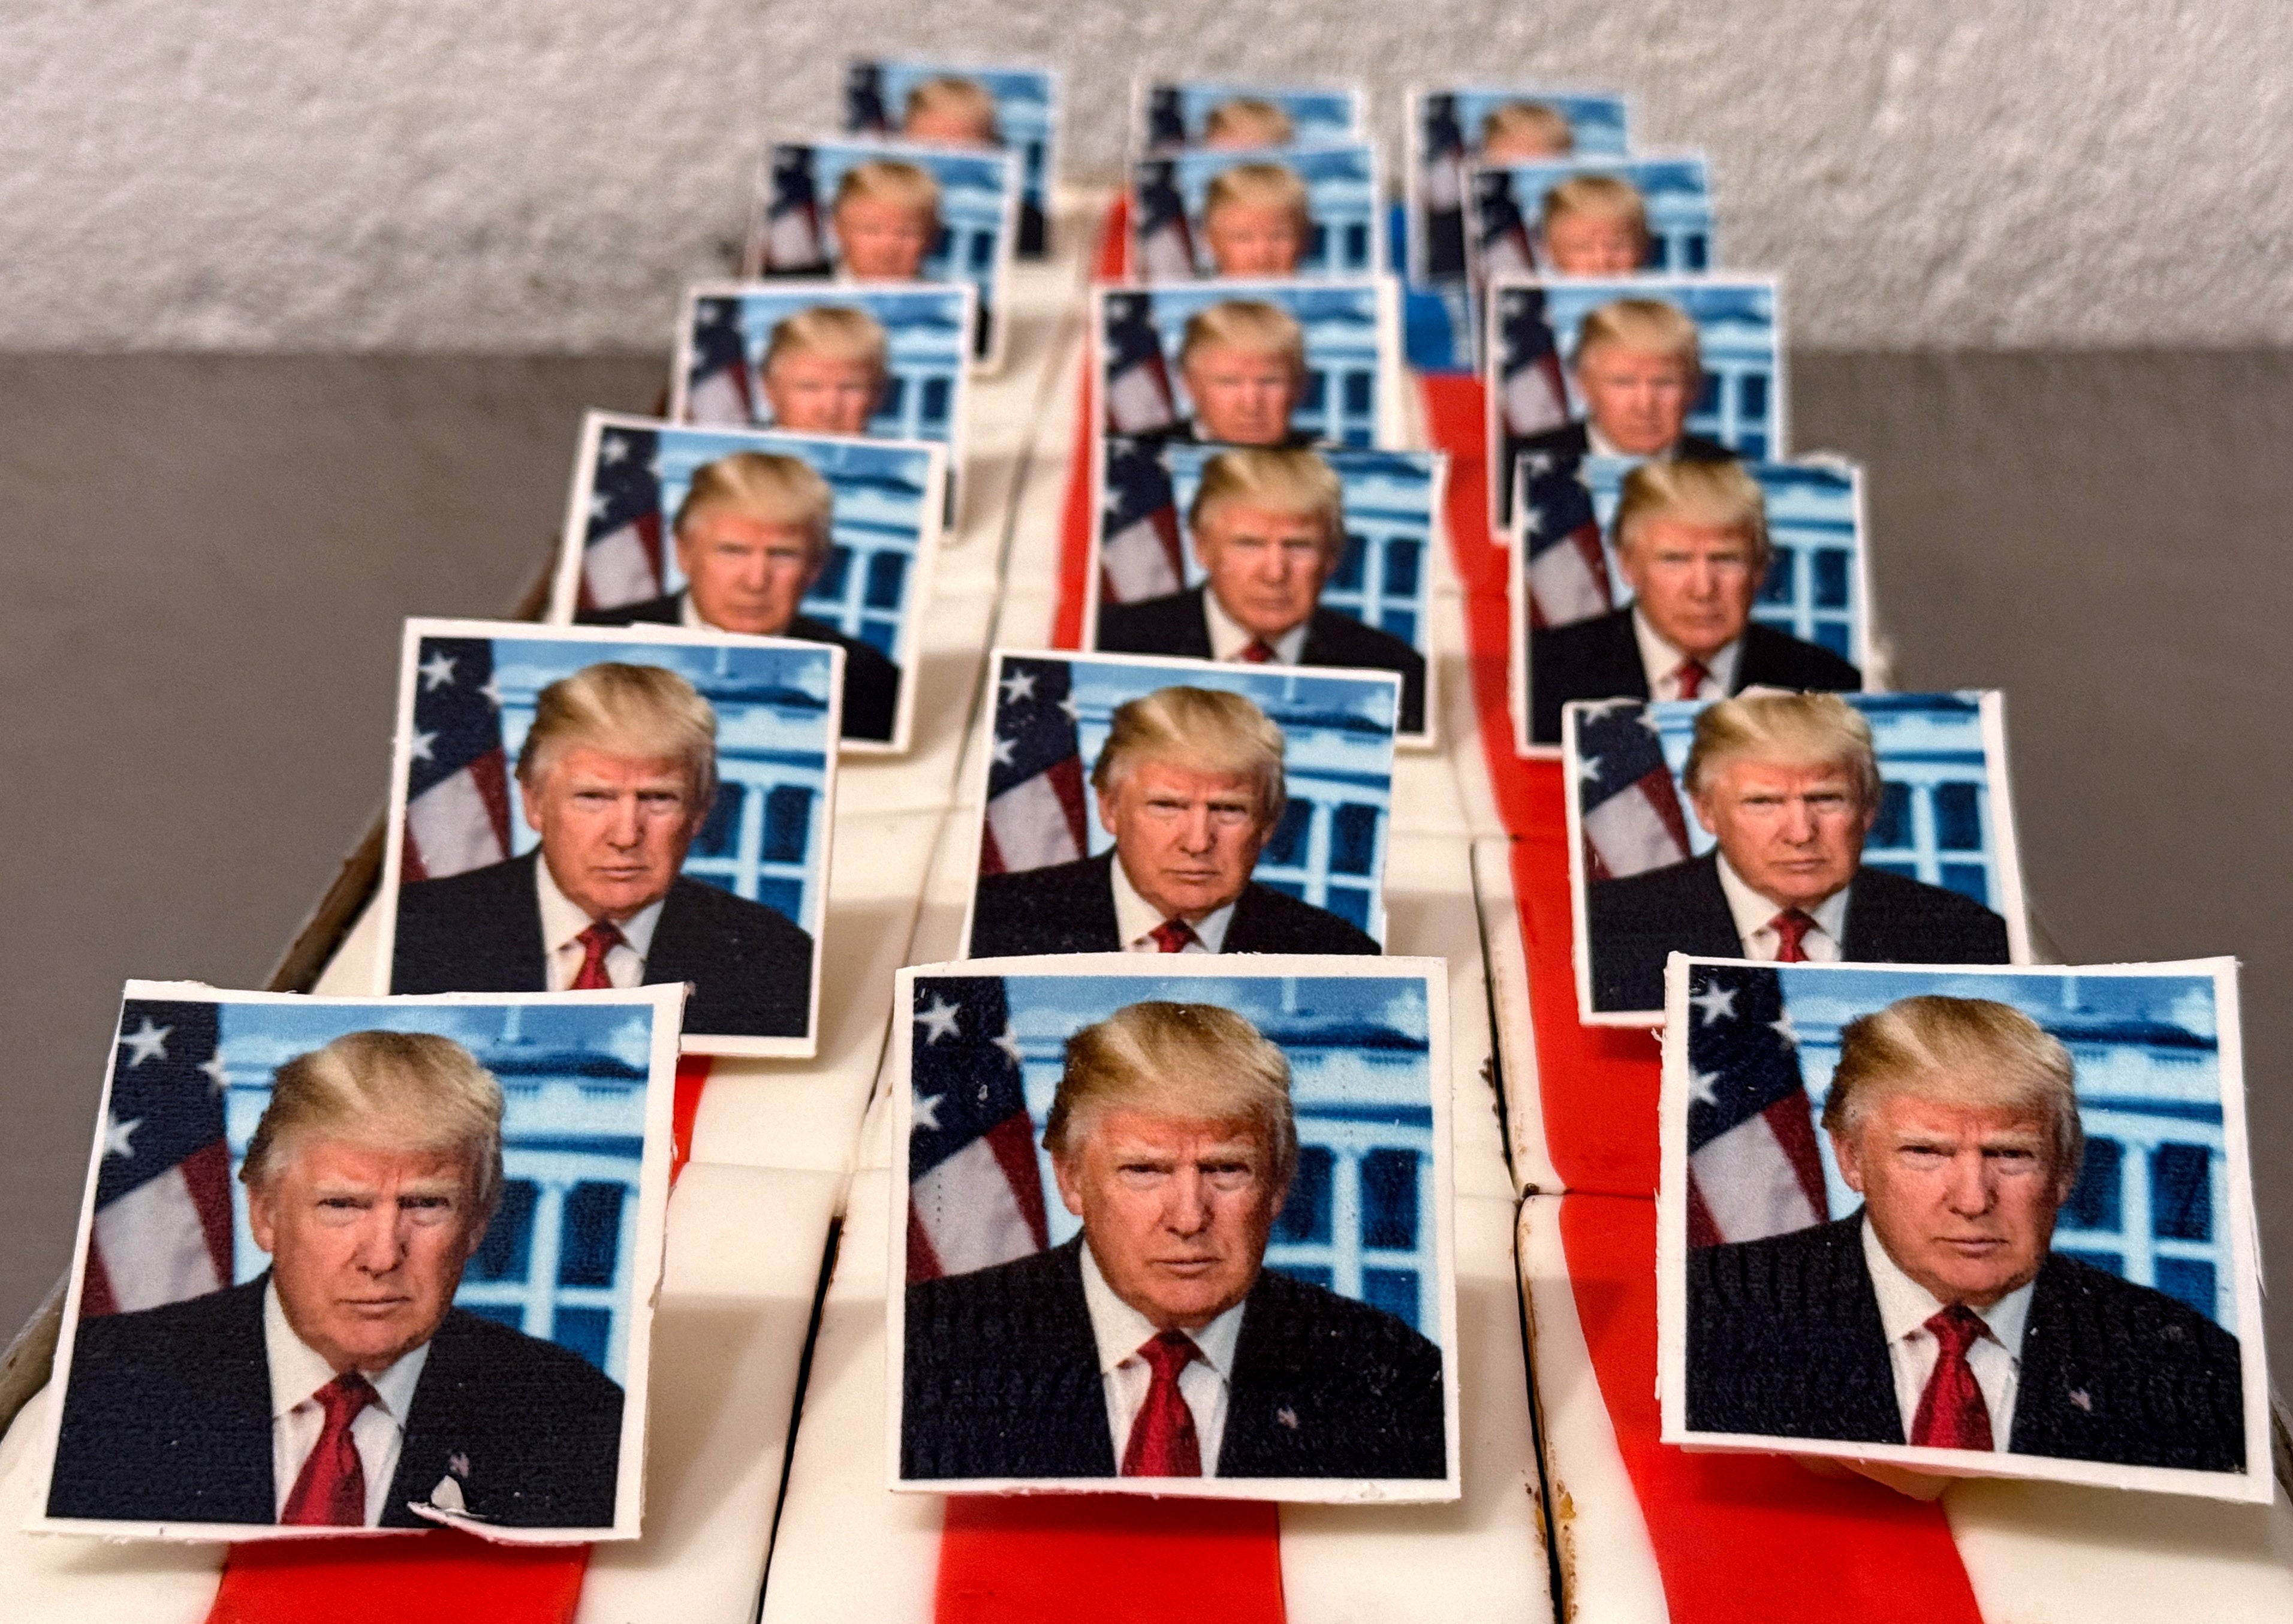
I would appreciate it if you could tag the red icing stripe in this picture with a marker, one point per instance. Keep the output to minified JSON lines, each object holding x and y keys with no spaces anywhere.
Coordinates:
{"x":1114,"y":1559}
{"x":441,"y":1577}
{"x":1075,"y":526}
{"x":692,"y":1076}
{"x":1745,"y":1537}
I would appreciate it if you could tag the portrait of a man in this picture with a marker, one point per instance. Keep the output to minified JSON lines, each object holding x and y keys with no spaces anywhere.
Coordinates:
{"x":1243,"y":122}
{"x":1520,"y":132}
{"x":1939,"y":1314}
{"x":341,"y":1386}
{"x":1257,"y":221}
{"x":617,"y":775}
{"x":1637,"y":369}
{"x":1156,"y":1344}
{"x":1244,"y":363}
{"x":887,"y":221}
{"x":1691,"y":540}
{"x":824,"y":370}
{"x":951,"y":110}
{"x":1593,"y":225}
{"x":1190,"y":786}
{"x":753,"y":535}
{"x":1269,"y":531}
{"x":1788,"y":786}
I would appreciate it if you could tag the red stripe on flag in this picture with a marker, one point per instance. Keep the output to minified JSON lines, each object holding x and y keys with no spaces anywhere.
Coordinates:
{"x":1013,"y":1142}
{"x":95,"y":1298}
{"x":692,"y":1077}
{"x":441,"y":1577}
{"x":207,"y":1175}
{"x":491,"y":776}
{"x":1794,"y":1126}
{"x":1066,"y":783}
{"x":1112,"y":1559}
{"x":1737,"y":1537}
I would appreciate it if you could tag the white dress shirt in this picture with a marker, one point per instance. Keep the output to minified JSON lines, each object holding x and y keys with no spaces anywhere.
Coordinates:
{"x":1206,"y":1383}
{"x":1229,"y":637}
{"x":1136,"y":920}
{"x":1755,"y":916}
{"x":688,"y":617}
{"x":1660,"y":662}
{"x":1904,"y":1306}
{"x":378,"y":1432}
{"x":562,"y":921}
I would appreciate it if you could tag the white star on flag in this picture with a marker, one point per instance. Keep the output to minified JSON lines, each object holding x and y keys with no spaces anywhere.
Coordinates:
{"x":493,"y":691}
{"x":149,"y":1041}
{"x":1537,"y":463}
{"x":421,"y":748}
{"x":1532,"y":521}
{"x":940,"y":1019}
{"x":118,"y":1137}
{"x":1648,"y":720}
{"x":1004,"y":747}
{"x":613,"y":449}
{"x":1717,"y":1002}
{"x":1009,"y":1042}
{"x":218,"y":1079}
{"x":927,"y":1112}
{"x":1070,"y":709}
{"x":599,"y":505}
{"x":1018,"y":685}
{"x":1589,"y":769}
{"x":1703,"y":1087}
{"x":437,"y":672}
{"x":1782,"y":1028}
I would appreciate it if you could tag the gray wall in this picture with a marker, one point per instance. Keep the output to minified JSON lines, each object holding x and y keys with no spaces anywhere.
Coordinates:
{"x":544,"y":174}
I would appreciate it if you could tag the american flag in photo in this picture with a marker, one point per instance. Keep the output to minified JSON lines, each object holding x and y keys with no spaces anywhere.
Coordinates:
{"x":1035,"y":807}
{"x":1504,"y":242}
{"x":1532,"y":396}
{"x":1139,"y":550}
{"x":864,"y":112}
{"x":716,"y":384}
{"x":1753,"y":1166}
{"x":621,"y":544}
{"x":162,"y":1229}
{"x":1139,"y":399}
{"x":1628,"y":805}
{"x":1560,"y":537}
{"x":791,"y":239}
{"x":1166,"y":245}
{"x":456,"y":776}
{"x":975,"y":1189}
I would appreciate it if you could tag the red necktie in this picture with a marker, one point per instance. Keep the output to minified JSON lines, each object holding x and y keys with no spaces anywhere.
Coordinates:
{"x":1162,"y":1442}
{"x":1952,"y":1415}
{"x":330,"y":1492}
{"x":1172,"y":935}
{"x":1691,"y":677}
{"x":1791,"y":928}
{"x":1258,"y":651}
{"x":598,"y":940}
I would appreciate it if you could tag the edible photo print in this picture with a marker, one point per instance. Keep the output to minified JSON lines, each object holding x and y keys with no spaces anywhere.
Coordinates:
{"x":1973,"y":1222}
{"x":1174,"y":1227}
{"x":957,"y":104}
{"x":1227,"y":114}
{"x":1273,"y":211}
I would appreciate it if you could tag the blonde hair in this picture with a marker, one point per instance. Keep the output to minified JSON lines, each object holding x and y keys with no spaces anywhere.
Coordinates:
{"x":1609,"y":195}
{"x":1718,"y":493}
{"x":1653,"y":326}
{"x":1251,"y":326}
{"x":641,"y":710}
{"x":1208,"y":730}
{"x":767,"y":486}
{"x":957,"y":97}
{"x":1248,"y":119}
{"x":1966,"y":1051}
{"x":841,"y":332}
{"x":1799,"y":729}
{"x":1175,"y":1059}
{"x":1278,"y":479}
{"x":1259,"y":186}
{"x":1531,"y":121}
{"x":890,"y":179}
{"x":399,"y":1091}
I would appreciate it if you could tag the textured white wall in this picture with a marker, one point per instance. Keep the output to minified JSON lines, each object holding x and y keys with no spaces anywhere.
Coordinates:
{"x":545,"y":173}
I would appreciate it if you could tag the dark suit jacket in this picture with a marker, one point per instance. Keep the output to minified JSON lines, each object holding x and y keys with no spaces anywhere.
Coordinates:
{"x":167,"y":1419}
{"x":871,"y":683}
{"x":1001,"y":1379}
{"x":1572,"y":443}
{"x":1177,"y":624}
{"x":1633,"y":923}
{"x":1069,"y":907}
{"x":1601,"y":659}
{"x":1784,"y":1340}
{"x":481,"y":932}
